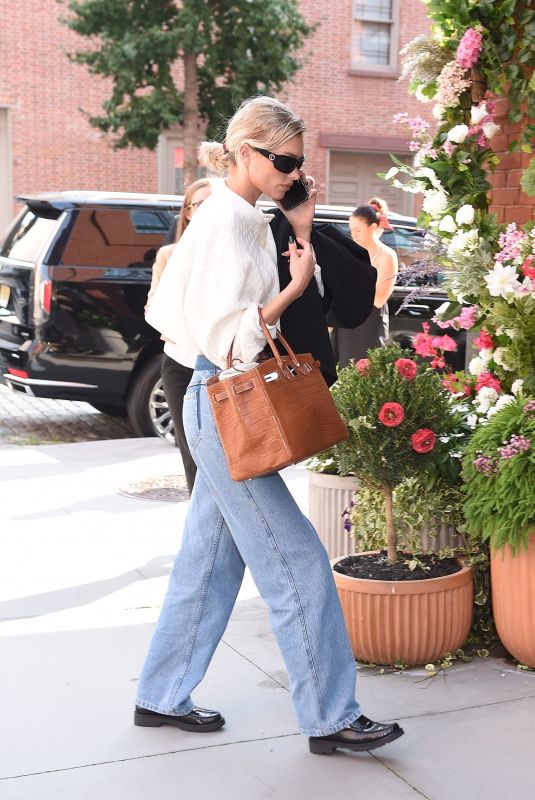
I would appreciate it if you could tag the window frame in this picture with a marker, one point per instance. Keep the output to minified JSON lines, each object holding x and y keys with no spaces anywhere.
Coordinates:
{"x":380,"y":70}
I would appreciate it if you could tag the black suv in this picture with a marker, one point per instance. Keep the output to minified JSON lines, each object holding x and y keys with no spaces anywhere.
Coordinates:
{"x":75,"y":269}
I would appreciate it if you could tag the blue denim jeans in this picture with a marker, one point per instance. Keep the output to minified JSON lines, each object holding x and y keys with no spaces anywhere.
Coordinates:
{"x":256,"y":523}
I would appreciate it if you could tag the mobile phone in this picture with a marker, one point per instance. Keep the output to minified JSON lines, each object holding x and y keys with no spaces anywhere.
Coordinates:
{"x":296,"y":194}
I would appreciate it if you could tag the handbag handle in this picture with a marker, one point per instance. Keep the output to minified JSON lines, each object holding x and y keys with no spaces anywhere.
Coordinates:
{"x":273,"y":346}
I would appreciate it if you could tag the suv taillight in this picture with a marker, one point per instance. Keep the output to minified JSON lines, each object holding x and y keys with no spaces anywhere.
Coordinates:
{"x":42,"y":302}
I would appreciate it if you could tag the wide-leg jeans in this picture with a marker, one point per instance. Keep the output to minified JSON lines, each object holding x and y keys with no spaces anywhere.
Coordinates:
{"x":256,"y":523}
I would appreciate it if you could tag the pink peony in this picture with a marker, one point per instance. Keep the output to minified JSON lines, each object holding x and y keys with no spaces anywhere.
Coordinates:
{"x":488,"y":379}
{"x":391,"y":415}
{"x":484,"y":341}
{"x":406,"y":367}
{"x":445,"y":343}
{"x":469,"y":48}
{"x":362,"y":364}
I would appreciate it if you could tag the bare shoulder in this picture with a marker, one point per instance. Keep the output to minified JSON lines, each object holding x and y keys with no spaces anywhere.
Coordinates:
{"x":386,"y":256}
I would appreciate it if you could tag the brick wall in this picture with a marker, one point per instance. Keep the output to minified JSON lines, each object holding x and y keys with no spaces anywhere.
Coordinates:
{"x":54,"y":148}
{"x":508,"y":201}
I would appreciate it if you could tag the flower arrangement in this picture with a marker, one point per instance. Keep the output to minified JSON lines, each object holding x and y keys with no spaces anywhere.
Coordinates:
{"x":475,"y":55}
{"x":499,"y":474}
{"x":400,"y":423}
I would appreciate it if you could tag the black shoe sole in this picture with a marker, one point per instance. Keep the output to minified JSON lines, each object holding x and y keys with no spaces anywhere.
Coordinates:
{"x":149,"y":721}
{"x":328,"y":746}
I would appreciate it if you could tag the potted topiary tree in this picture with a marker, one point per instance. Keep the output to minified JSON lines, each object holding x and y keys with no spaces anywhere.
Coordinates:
{"x":401,"y":422}
{"x":499,"y":475}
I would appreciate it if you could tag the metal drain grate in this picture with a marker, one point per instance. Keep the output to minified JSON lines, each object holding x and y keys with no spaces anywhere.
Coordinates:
{"x":169,"y":488}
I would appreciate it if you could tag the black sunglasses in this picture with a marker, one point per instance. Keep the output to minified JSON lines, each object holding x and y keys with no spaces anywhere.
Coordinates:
{"x":284,"y":164}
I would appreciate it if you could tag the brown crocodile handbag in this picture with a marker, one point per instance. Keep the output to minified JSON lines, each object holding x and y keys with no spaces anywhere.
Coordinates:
{"x":276,"y":414}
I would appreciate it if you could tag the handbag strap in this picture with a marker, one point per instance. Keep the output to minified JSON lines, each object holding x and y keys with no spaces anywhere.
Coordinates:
{"x":271,"y":343}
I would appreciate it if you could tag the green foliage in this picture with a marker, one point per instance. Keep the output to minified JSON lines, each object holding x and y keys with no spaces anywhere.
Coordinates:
{"x":244,"y":48}
{"x":381,"y":455}
{"x":499,"y":504}
{"x":416,"y":509}
{"x":528,"y":178}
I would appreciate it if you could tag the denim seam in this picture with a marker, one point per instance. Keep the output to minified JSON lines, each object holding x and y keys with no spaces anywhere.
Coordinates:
{"x":297,"y":599}
{"x":333,"y":727}
{"x":200,"y":608}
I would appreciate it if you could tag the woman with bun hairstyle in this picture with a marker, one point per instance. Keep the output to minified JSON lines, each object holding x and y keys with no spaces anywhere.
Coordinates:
{"x":222,"y":270}
{"x":178,"y":362}
{"x":366,"y":225}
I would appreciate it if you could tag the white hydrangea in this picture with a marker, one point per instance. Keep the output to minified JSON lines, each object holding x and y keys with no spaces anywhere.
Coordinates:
{"x":517,"y":386}
{"x":457,"y":134}
{"x":464,"y":242}
{"x":504,"y":400}
{"x":447,"y":224}
{"x":435,"y":202}
{"x":486,"y":397}
{"x":477,"y":365}
{"x":465,"y":215}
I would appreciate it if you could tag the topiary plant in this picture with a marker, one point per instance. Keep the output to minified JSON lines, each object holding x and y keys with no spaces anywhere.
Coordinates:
{"x":399,"y":420}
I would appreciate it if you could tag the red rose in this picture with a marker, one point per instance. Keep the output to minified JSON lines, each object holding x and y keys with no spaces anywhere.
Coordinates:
{"x":391,"y":415}
{"x":406,"y":367}
{"x":423,"y":440}
{"x":362,"y":364}
{"x":488,"y":379}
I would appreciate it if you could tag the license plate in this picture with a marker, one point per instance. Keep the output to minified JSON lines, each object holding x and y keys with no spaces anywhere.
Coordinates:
{"x":4,"y":296}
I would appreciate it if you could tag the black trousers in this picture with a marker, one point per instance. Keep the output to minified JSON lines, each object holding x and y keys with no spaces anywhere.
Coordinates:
{"x":175,"y":379}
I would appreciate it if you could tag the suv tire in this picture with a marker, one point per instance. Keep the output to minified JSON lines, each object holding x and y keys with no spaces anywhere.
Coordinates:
{"x":143,"y":412}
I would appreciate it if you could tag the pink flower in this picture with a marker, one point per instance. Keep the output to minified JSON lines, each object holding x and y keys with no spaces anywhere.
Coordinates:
{"x":445,"y":343}
{"x":451,"y":84}
{"x":488,"y":379}
{"x":449,"y":148}
{"x":391,"y":415}
{"x":438,"y":362}
{"x":406,"y":367}
{"x":423,"y":343}
{"x":527,"y":268}
{"x":423,"y":440}
{"x":362,"y":365}
{"x":469,"y":48}
{"x":468,"y":316}
{"x":484,"y":341}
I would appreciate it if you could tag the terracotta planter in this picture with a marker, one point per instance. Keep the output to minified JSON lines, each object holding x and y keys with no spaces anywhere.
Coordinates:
{"x":513,"y":600}
{"x":414,"y":621}
{"x":328,"y":497}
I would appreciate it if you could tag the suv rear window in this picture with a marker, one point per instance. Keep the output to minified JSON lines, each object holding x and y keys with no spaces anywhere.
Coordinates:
{"x":27,"y":239}
{"x":116,"y":237}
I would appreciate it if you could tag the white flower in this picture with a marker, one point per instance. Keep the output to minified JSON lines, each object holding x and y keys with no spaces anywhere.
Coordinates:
{"x":504,"y":400}
{"x":500,"y":357}
{"x":464,"y":242}
{"x":435,"y":202}
{"x":437,"y":111}
{"x":471,"y":420}
{"x":465,"y":215}
{"x":517,"y":386}
{"x":486,"y":354}
{"x":457,"y":134}
{"x":486,"y":397}
{"x":477,"y":365}
{"x":489,"y":129}
{"x":391,"y":172}
{"x":447,"y":224}
{"x":427,"y":172}
{"x":501,"y":281}
{"x":478,"y":113}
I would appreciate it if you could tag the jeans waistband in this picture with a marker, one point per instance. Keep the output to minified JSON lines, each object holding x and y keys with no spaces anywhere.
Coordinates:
{"x":204,"y":363}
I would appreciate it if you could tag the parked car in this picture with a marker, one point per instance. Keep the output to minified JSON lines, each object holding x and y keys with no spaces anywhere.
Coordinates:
{"x":75,"y":268}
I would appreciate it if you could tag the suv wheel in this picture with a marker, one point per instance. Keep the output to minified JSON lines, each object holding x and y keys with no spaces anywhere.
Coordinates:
{"x":147,"y":407}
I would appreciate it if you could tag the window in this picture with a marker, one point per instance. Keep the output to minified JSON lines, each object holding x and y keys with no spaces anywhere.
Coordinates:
{"x":373,"y":45}
{"x":27,"y":239}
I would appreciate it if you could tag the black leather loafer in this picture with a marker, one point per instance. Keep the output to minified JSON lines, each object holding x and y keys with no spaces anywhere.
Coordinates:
{"x":199,"y":720}
{"x":363,"y":734}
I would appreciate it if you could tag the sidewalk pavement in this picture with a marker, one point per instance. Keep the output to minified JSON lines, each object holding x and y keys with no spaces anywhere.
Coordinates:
{"x":83,"y":570}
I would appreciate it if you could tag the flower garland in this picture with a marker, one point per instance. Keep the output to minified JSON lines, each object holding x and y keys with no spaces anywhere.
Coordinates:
{"x":491,"y":279}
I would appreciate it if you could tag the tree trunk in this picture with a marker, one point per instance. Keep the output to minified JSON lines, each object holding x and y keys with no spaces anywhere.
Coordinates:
{"x":191,"y":119}
{"x":390,"y":530}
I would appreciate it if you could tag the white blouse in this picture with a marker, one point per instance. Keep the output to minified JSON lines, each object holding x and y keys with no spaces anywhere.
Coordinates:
{"x":222,"y":269}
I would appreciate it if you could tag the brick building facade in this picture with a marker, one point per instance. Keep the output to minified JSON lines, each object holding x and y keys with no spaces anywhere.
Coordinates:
{"x":347,"y":93}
